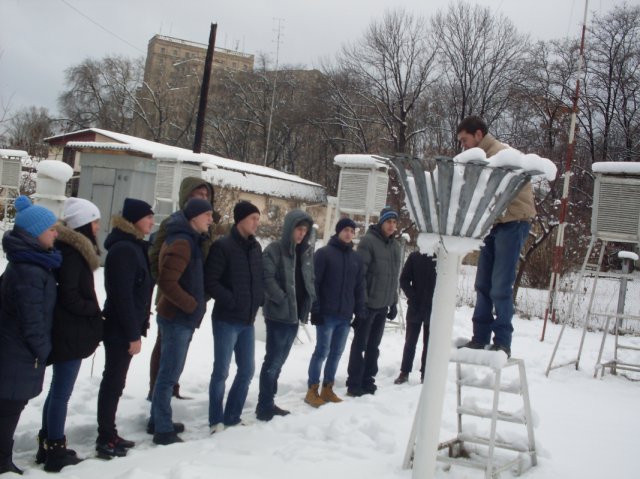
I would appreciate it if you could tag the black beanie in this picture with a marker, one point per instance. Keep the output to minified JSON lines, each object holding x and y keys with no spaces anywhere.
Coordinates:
{"x":345,"y":223}
{"x":243,"y":209}
{"x":195,"y":207}
{"x":134,"y":210}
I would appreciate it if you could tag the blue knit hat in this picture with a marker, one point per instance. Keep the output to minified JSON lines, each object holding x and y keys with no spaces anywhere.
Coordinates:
{"x":195,"y":207}
{"x":387,"y":213}
{"x":34,"y":219}
{"x":345,"y":223}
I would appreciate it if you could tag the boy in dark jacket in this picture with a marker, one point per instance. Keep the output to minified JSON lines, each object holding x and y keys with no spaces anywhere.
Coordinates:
{"x":128,"y":284}
{"x":28,"y":297}
{"x":290,"y":292}
{"x":339,"y":283}
{"x":233,"y":278}
{"x":180,"y":309}
{"x":418,"y":281}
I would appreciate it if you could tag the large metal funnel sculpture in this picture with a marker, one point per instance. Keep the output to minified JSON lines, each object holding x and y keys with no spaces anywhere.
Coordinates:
{"x":453,"y":205}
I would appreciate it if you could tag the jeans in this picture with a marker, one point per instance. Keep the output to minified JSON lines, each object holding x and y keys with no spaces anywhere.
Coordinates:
{"x":280,"y":338}
{"x":54,"y":412}
{"x":230,"y":338}
{"x":10,"y":412}
{"x":175,"y":339}
{"x":114,"y":378}
{"x":410,"y":342}
{"x":494,"y":282}
{"x":365,"y":350}
{"x":331,"y":336}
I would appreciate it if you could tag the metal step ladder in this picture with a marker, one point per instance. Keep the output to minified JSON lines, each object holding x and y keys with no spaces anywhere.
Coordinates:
{"x":459,"y":453}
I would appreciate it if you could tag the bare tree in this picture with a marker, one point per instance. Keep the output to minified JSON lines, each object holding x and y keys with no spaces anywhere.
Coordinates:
{"x":26,"y":130}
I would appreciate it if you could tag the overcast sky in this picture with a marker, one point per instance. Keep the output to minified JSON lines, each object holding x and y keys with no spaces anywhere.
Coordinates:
{"x":39,"y":39}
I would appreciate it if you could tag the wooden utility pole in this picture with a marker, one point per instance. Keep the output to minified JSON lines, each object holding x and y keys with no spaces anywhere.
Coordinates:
{"x":204,"y":90}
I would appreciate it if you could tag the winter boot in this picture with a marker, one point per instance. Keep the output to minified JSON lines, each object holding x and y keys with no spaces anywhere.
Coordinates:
{"x":327,"y":394}
{"x":58,"y":456}
{"x":107,"y":449}
{"x":6,"y":462}
{"x":41,"y":455}
{"x":166,"y":438}
{"x":312,"y":398}
{"x":402,"y":378}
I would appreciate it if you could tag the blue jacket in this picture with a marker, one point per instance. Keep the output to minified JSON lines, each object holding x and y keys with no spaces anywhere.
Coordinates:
{"x":28,"y":296}
{"x":339,"y":281}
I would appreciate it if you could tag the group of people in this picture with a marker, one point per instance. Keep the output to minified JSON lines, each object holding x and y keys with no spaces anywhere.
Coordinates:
{"x":50,"y":314}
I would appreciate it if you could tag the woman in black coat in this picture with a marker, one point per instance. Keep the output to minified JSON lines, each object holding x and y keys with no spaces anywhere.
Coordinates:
{"x":77,"y":325}
{"x":128,"y":284}
{"x":27,"y":297}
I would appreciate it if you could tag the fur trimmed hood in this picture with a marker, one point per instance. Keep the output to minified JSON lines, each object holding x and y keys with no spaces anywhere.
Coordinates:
{"x":117,"y":221}
{"x":79,"y":242}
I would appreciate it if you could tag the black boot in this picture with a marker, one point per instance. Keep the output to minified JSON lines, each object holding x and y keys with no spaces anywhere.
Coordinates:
{"x":58,"y":456}
{"x":10,"y":467}
{"x":41,"y":455}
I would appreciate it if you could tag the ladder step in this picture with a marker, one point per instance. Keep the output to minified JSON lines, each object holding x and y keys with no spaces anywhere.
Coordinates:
{"x":630,"y":348}
{"x":478,"y":464}
{"x":479,"y":384}
{"x":485,"y":442}
{"x":488,"y":413}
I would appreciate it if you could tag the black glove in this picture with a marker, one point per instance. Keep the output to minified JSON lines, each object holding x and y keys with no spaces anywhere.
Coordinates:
{"x":357,"y":321}
{"x":393,"y":312}
{"x":317,"y":319}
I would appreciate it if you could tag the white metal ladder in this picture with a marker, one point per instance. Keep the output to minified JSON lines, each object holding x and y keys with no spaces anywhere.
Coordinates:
{"x":459,"y":455}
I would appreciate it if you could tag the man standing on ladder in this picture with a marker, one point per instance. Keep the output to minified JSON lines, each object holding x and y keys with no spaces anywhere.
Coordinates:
{"x":499,"y":255}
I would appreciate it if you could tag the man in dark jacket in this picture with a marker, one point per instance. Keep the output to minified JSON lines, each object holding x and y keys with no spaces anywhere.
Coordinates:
{"x":418,"y":281}
{"x":290,"y":292}
{"x":233,"y":278}
{"x":190,"y":187}
{"x":339,"y":282}
{"x":28,"y":298}
{"x":128,"y":284}
{"x":380,"y":253}
{"x":180,"y":309}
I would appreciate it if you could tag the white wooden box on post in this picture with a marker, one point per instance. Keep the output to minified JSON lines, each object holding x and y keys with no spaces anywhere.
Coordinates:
{"x":10,"y":171}
{"x":169,"y":175}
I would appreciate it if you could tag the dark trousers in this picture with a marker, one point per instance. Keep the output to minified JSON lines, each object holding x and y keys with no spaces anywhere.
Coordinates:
{"x":114,"y":377}
{"x":410,"y":341}
{"x":9,"y":416}
{"x":363,"y":358}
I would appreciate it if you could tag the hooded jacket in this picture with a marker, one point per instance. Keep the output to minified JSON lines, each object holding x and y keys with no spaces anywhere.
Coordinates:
{"x":28,"y":297}
{"x":187,"y":185}
{"x":77,"y":321}
{"x":181,"y":273}
{"x":127,"y":282}
{"x":418,"y":281}
{"x":523,"y":206}
{"x":280,"y":272}
{"x":381,"y":258}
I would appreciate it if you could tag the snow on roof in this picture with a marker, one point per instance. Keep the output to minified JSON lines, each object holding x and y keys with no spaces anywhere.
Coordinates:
{"x":617,"y":167}
{"x":6,"y":153}
{"x":237,"y":175}
{"x":368,"y":162}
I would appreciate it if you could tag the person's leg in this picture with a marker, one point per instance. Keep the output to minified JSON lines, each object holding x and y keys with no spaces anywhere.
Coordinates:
{"x":355,"y":368}
{"x":483,"y":312}
{"x":244,"y":351}
{"x":9,"y":416}
{"x":425,"y":346}
{"x":509,"y":239}
{"x":176,"y":338}
{"x":224,"y":340}
{"x":62,"y":382}
{"x":412,"y":333}
{"x":154,"y":364}
{"x":323,"y":342}
{"x":339,"y":334}
{"x":373,"y":350}
{"x":114,"y":377}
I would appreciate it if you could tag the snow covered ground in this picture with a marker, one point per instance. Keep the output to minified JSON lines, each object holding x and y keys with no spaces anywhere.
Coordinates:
{"x":585,"y":427}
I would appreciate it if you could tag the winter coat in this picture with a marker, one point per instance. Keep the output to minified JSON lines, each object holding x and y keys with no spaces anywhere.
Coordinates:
{"x":181,"y":273}
{"x":381,"y":258}
{"x":418,"y":281}
{"x":127,"y":282}
{"x":77,"y":320}
{"x":233,"y":278}
{"x":280,"y":272}
{"x":522,"y":207}
{"x":339,"y":280}
{"x":186,"y":187}
{"x":28,"y":298}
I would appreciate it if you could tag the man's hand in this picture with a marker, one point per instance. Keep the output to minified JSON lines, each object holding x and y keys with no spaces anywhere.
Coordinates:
{"x":393,"y":312}
{"x":317,"y":319}
{"x":135,"y":347}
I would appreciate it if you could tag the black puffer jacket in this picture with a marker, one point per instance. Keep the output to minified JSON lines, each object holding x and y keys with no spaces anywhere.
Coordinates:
{"x":233,"y":278}
{"x":418,"y":281}
{"x":28,"y":297}
{"x":77,"y":322}
{"x":127,"y":282}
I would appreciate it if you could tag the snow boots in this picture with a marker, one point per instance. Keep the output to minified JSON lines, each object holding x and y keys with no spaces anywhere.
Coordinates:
{"x":6,"y":461}
{"x":327,"y":394}
{"x":402,"y":378}
{"x":312,"y":398}
{"x":58,"y":456}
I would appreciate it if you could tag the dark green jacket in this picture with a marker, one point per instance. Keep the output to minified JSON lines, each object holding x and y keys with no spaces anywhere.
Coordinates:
{"x":382,"y":260}
{"x":279,"y":260}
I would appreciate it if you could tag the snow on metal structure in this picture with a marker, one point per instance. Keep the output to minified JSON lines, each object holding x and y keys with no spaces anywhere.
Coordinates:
{"x":454,"y":205}
{"x":51,"y":185}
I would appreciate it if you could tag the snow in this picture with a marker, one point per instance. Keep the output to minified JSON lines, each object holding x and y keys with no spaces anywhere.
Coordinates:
{"x":586,"y":428}
{"x":367,"y":162}
{"x":55,"y":169}
{"x":627,"y":255}
{"x":616,"y":167}
{"x":7,"y":153}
